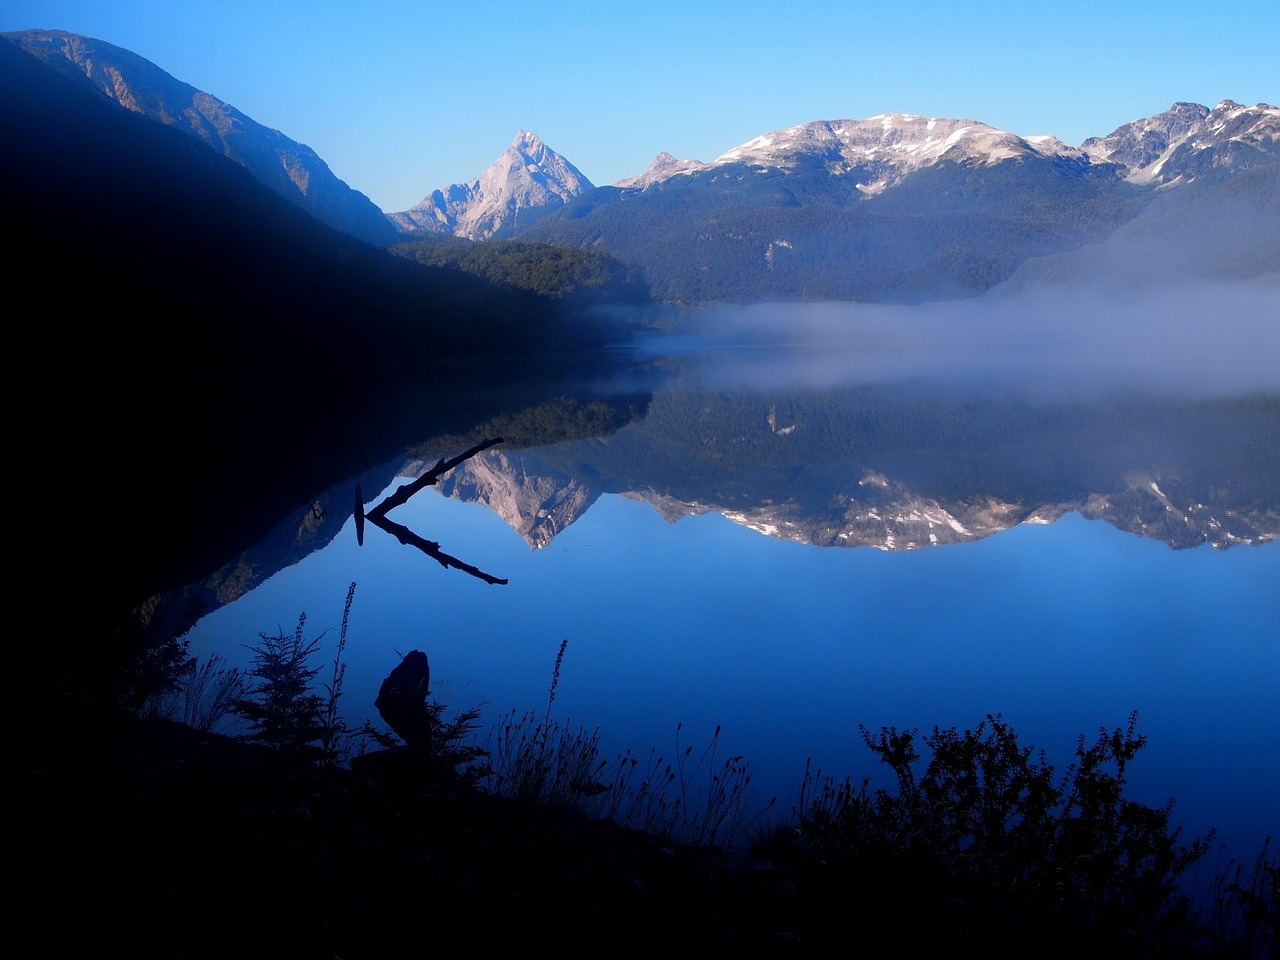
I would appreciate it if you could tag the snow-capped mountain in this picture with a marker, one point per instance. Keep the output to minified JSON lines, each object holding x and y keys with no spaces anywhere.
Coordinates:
{"x":1139,"y":144}
{"x":1188,"y":140}
{"x":903,"y":208}
{"x":882,"y":150}
{"x":525,"y":183}
{"x":291,"y":169}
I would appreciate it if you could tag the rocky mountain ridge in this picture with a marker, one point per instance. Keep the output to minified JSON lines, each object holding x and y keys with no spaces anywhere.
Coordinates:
{"x":1162,"y":148}
{"x":1188,"y":140}
{"x":291,"y":169}
{"x":906,"y":209}
{"x":881,"y":151}
{"x":538,"y":506}
{"x":664,"y":165}
{"x":525,"y":183}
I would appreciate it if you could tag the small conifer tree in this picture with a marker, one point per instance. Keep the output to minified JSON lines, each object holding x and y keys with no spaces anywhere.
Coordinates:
{"x":282,"y":709}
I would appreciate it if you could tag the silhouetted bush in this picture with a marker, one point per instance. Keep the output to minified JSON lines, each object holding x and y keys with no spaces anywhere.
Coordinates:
{"x":991,"y":838}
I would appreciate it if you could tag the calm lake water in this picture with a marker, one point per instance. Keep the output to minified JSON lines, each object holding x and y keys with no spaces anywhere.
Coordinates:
{"x":736,"y":556}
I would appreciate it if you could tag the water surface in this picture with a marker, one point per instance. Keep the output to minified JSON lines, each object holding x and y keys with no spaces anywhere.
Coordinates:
{"x":789,"y":557}
{"x":1061,"y":628}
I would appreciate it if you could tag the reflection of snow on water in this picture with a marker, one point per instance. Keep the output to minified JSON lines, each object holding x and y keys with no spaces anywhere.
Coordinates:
{"x":1060,"y":627}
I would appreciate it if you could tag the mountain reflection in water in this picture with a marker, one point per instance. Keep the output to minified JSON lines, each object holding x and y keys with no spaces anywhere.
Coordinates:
{"x":679,"y":555}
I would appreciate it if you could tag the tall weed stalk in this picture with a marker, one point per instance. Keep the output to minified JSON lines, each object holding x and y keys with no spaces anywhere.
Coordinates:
{"x":335,"y":733}
{"x":210,"y":693}
{"x":204,"y":697}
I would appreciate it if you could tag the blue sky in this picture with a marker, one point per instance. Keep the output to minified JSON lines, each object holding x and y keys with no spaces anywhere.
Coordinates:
{"x":401,"y":97}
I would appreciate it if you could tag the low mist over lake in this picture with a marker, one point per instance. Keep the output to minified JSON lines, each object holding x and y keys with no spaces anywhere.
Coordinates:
{"x":1060,"y":342}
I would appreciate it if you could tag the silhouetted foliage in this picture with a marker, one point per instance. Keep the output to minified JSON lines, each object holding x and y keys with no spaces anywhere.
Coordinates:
{"x":1245,"y":914}
{"x":155,"y":671}
{"x":991,"y":838}
{"x":204,"y":697}
{"x":282,"y":709}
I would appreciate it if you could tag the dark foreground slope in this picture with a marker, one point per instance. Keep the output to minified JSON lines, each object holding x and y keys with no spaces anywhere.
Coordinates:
{"x":165,"y":842}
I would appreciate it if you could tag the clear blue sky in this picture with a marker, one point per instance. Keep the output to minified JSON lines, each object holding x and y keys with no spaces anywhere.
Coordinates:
{"x":401,"y":97}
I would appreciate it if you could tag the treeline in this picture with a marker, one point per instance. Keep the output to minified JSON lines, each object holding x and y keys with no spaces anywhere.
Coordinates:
{"x":571,"y":276}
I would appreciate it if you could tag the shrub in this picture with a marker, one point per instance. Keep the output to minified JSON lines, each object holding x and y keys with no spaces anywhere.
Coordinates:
{"x":453,"y":741}
{"x":989,"y":831}
{"x":153,"y":677}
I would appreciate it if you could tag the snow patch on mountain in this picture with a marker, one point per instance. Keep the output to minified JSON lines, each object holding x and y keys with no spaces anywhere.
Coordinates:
{"x":881,"y":150}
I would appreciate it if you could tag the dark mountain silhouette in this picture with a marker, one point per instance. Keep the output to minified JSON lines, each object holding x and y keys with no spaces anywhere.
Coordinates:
{"x":291,"y":169}
{"x":200,"y":355}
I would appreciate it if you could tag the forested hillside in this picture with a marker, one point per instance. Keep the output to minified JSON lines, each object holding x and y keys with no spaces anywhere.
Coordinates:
{"x":573,"y":277}
{"x":737,"y":233}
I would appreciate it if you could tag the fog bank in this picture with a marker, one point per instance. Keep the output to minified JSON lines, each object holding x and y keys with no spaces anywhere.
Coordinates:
{"x":1199,"y":339}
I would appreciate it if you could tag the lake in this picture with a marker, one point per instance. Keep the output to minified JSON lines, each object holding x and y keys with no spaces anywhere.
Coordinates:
{"x":784,"y":556}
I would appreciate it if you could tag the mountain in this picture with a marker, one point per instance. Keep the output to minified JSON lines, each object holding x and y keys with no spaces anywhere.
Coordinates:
{"x":889,"y":209}
{"x":1214,"y":212}
{"x":291,"y":169}
{"x":882,"y":151}
{"x":1214,"y":230}
{"x":664,"y":165}
{"x":538,"y":502}
{"x":528,"y":181}
{"x":895,"y":207}
{"x":1189,"y":141}
{"x":210,"y":270}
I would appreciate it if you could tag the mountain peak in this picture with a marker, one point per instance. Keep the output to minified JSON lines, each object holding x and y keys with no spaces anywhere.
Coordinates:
{"x":526,"y":182}
{"x":881,"y":150}
{"x":664,"y":165}
{"x":1189,"y":139}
